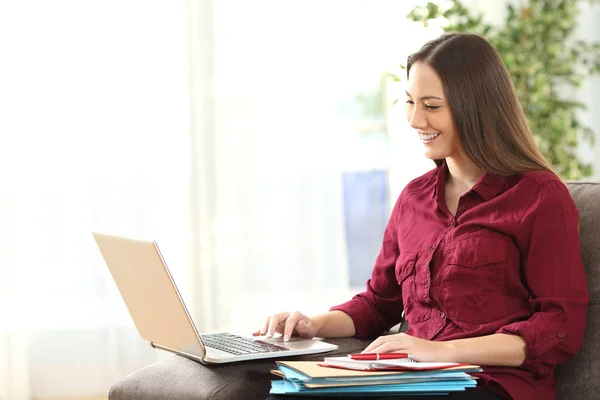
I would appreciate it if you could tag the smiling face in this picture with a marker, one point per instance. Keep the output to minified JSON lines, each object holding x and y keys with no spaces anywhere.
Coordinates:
{"x":428,"y":112}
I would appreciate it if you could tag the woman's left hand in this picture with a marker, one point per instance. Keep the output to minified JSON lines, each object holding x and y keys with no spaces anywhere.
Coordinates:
{"x":420,"y":349}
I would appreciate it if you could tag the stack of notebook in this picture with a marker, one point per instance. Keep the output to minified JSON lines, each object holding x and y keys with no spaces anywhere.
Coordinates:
{"x":329,"y":377}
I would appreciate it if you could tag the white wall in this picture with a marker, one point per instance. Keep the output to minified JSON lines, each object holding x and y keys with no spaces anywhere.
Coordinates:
{"x":589,"y":29}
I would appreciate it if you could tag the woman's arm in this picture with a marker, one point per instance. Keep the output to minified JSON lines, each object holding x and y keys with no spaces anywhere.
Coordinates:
{"x":548,"y":239}
{"x":334,"y":324}
{"x":492,"y":350}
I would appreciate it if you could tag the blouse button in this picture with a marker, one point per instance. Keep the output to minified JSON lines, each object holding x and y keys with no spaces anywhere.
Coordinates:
{"x":560,"y":335}
{"x":443,"y":315}
{"x":426,"y":284}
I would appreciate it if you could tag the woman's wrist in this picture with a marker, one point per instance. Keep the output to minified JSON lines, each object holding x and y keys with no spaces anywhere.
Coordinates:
{"x":448,"y":351}
{"x":319,"y":321}
{"x":333,"y":324}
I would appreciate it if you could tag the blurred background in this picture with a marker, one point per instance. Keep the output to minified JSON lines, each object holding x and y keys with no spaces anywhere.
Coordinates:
{"x":258,"y":142}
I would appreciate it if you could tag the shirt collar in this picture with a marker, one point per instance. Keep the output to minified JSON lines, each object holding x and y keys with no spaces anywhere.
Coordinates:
{"x":440,"y":180}
{"x":488,"y":186}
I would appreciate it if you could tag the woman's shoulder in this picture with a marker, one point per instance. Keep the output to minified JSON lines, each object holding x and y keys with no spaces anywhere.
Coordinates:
{"x":542,"y":188}
{"x":540,"y":177}
{"x":541,"y":182}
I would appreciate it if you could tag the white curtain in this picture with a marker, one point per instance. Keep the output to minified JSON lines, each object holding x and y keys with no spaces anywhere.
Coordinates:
{"x":98,"y":100}
{"x":94,"y":136}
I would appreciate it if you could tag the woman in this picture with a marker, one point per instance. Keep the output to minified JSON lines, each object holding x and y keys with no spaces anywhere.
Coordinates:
{"x":481,"y":253}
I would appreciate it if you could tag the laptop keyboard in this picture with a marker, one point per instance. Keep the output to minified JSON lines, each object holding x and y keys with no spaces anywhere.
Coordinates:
{"x":238,"y":344}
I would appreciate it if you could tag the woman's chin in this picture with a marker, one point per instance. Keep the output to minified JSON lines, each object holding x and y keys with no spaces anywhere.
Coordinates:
{"x":434,"y":155}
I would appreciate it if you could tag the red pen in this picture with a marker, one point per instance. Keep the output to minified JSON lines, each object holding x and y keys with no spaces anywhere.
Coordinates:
{"x":377,"y":356}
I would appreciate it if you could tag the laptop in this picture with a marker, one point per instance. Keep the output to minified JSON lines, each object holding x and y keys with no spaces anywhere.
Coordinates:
{"x":162,"y":319}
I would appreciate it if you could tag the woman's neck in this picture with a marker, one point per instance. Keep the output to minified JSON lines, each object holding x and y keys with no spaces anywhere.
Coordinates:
{"x":463,"y":172}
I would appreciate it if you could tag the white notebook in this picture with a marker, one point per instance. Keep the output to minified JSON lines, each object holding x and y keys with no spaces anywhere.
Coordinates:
{"x":407,"y":364}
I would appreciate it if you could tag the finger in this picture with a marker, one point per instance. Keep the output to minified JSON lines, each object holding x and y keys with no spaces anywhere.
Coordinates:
{"x":304,"y":327}
{"x":276,"y":320}
{"x":263,"y":330}
{"x":290,"y":325}
{"x":375,"y":344}
{"x":281,"y":326}
{"x":391,"y":347}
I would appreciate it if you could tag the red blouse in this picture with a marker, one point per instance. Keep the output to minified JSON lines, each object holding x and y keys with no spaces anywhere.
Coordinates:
{"x":508,"y":262}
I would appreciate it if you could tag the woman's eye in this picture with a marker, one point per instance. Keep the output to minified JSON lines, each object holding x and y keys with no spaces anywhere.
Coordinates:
{"x":432,"y":108}
{"x":409,"y":102}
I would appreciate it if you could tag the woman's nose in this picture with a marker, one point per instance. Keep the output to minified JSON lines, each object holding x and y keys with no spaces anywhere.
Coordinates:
{"x":417,"y":118}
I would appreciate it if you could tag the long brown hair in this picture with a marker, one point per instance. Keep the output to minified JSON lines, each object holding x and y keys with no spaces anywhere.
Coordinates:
{"x":492,"y":128}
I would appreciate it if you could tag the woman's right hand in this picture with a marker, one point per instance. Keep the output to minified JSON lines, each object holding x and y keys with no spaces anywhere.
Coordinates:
{"x":288,"y":324}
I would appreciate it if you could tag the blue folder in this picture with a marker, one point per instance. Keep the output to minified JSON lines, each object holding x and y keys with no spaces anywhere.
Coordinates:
{"x":440,"y":382}
{"x":286,"y":387}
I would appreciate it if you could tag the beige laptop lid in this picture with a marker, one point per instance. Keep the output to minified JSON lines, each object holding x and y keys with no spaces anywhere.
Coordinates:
{"x":150,"y":294}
